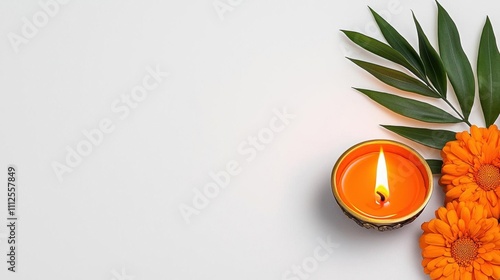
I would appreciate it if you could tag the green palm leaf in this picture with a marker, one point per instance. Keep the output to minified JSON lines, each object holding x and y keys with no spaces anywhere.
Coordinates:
{"x":455,"y":61}
{"x":396,"y":78}
{"x":432,"y":62}
{"x":488,"y":74}
{"x":400,"y":44}
{"x":435,"y":165}
{"x":433,"y":138}
{"x":379,"y":48}
{"x":410,"y":108}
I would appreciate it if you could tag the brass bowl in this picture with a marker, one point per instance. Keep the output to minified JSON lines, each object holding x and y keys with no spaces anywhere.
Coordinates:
{"x":373,"y":146}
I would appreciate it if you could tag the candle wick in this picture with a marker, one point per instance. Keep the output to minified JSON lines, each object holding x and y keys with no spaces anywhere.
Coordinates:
{"x":382,"y":196}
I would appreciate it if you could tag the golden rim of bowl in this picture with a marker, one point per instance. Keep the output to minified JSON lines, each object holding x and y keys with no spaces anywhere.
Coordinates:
{"x":376,"y":221}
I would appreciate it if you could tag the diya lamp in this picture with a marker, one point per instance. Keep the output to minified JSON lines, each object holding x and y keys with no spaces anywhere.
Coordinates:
{"x":382,"y":184}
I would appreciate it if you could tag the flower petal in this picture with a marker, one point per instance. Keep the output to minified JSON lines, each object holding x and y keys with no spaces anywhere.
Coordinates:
{"x":496,"y":271}
{"x":444,"y":229}
{"x":478,"y":213}
{"x":436,"y":273}
{"x":460,"y":152}
{"x":433,"y":251}
{"x":478,"y":275}
{"x":448,"y":269}
{"x":465,"y":215}
{"x":467,"y":275}
{"x":454,"y":193}
{"x":452,"y":217}
{"x":487,"y":269}
{"x":441,"y":213}
{"x":434,"y":239}
{"x":434,"y":263}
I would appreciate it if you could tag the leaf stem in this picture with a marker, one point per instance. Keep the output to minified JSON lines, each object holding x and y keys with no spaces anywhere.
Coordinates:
{"x":447,"y":102}
{"x":460,"y":115}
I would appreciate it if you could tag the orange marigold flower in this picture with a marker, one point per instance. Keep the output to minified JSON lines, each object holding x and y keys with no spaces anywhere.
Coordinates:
{"x":462,"y":242}
{"x":471,"y":168}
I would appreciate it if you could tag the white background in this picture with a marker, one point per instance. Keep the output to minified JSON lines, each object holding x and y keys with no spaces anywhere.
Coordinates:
{"x":116,"y":215}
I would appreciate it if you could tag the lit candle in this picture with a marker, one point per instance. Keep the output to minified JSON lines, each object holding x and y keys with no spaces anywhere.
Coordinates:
{"x":382,"y":184}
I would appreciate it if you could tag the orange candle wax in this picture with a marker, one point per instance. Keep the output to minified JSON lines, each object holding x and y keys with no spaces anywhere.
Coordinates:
{"x":382,"y":182}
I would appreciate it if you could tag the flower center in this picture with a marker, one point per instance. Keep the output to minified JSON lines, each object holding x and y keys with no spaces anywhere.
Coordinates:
{"x":488,"y":177}
{"x":464,"y":251}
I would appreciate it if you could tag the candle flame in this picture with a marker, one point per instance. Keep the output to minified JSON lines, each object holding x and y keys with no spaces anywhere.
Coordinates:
{"x":381,"y":183}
